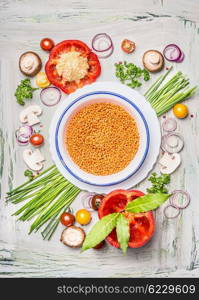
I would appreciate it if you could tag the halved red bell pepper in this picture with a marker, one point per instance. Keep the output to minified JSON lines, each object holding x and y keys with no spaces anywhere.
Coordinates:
{"x":142,"y":225}
{"x":67,"y":46}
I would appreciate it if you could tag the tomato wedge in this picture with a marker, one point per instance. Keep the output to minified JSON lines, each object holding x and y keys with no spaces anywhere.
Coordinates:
{"x":67,"y":46}
{"x":142,"y":225}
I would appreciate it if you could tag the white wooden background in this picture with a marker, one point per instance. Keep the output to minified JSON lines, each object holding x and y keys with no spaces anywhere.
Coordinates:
{"x":174,"y":250}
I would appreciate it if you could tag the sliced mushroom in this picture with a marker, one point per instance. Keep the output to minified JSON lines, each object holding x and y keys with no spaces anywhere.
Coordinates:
{"x":73,"y":236}
{"x":33,"y":159}
{"x":153,"y":60}
{"x":30,"y":63}
{"x":169,"y":162}
{"x":30,"y":115}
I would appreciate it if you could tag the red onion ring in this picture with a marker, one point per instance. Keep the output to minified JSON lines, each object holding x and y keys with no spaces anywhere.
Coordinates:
{"x":166,"y":212}
{"x":98,"y":37}
{"x":44,"y":92}
{"x":109,"y":48}
{"x":169,"y":122}
{"x":21,"y":139}
{"x":86,"y":201}
{"x":172,"y":52}
{"x":173,"y":199}
{"x":165,"y":146}
{"x":25,"y":131}
{"x":23,"y":134}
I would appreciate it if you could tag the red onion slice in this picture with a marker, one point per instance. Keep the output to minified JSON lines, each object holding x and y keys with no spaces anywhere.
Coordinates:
{"x":21,"y":139}
{"x":50,"y":96}
{"x":172,"y":52}
{"x":171,"y":212}
{"x":23,"y":134}
{"x":26,"y":131}
{"x":171,"y":147}
{"x":174,"y":200}
{"x":99,"y":39}
{"x":86,"y":200}
{"x":169,"y":125}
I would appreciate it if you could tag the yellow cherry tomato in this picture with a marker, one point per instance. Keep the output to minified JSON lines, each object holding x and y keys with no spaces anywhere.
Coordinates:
{"x":83,"y":217}
{"x":180,"y":111}
{"x":42,"y":80}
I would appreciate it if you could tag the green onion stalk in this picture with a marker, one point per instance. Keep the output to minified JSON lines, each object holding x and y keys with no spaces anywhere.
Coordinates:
{"x":49,"y":194}
{"x":163,"y":97}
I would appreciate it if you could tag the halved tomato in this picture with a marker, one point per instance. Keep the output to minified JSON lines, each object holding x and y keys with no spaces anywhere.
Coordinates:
{"x":66,"y":46}
{"x":142,"y":225}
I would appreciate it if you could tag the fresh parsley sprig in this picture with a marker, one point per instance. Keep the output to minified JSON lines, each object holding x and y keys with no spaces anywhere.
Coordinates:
{"x":158,"y":183}
{"x":130,"y":74}
{"x":24,"y":91}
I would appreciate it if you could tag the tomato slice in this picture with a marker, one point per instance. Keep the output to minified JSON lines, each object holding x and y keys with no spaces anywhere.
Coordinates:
{"x":128,"y":46}
{"x":142,"y":225}
{"x":67,"y":46}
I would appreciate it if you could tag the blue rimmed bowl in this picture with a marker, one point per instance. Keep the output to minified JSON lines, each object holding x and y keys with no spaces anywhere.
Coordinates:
{"x":66,"y":111}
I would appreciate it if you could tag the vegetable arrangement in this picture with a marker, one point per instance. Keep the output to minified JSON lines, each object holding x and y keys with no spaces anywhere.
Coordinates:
{"x":126,"y":218}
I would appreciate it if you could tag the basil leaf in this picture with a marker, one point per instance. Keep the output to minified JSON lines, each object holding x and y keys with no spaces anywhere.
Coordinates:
{"x":146,"y":203}
{"x":100,"y":231}
{"x":123,"y":233}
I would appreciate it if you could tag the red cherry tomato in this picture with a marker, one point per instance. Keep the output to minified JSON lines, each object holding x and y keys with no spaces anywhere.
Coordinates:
{"x":67,"y":219}
{"x":47,"y":44}
{"x":36,"y":139}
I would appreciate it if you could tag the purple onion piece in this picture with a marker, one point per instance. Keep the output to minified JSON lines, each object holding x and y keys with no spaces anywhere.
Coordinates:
{"x":166,"y":213}
{"x":173,"y":199}
{"x":25,"y":131}
{"x":45,"y":100}
{"x":102,"y":36}
{"x":86,"y":201}
{"x":165,"y":145}
{"x":169,"y":122}
{"x":175,"y":52}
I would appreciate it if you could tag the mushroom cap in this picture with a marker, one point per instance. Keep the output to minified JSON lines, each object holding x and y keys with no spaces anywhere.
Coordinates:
{"x":32,"y":61}
{"x":36,"y":109}
{"x":169,"y":162}
{"x":153,"y":60}
{"x":73,"y":236}
{"x":34,"y":160}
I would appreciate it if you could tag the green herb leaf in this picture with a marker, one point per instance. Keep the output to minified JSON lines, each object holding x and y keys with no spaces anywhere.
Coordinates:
{"x":100,"y":231}
{"x":123,"y":234}
{"x":146,"y":203}
{"x":24,"y":91}
{"x":158,"y":183}
{"x":128,"y":73}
